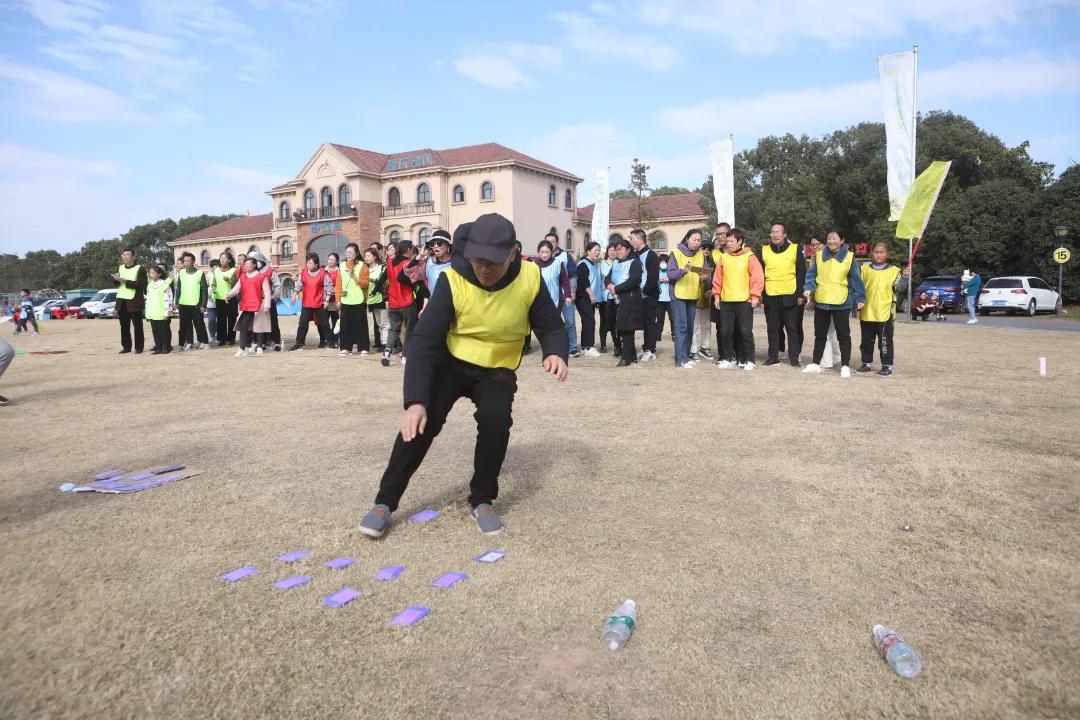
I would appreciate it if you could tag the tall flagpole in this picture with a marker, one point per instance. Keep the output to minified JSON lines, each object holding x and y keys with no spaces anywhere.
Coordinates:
{"x":914,"y":154}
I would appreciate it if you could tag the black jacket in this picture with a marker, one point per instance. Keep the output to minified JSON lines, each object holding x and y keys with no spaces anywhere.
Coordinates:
{"x":630,"y":311}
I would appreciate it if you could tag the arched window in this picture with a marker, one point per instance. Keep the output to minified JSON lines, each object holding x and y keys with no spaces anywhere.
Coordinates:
{"x":288,"y":287}
{"x":658,"y":240}
{"x":344,"y":196}
{"x":286,"y":249}
{"x":204,"y":258}
{"x":587,"y":238}
{"x":394,"y":198}
{"x":395,"y":236}
{"x":568,"y":199}
{"x":459,"y":194}
{"x":326,"y":244}
{"x":569,"y":239}
{"x":309,"y":204}
{"x":425,"y":235}
{"x":284,"y":211}
{"x":423,"y":193}
{"x":551,"y":195}
{"x":327,"y":197}
{"x":487,"y":191}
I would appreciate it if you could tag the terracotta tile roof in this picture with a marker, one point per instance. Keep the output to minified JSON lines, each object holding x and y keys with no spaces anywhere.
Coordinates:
{"x":244,"y":225}
{"x":375,"y":163}
{"x":661,"y":207}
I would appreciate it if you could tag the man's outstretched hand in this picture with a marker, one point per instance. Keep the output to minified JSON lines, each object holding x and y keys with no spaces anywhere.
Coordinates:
{"x":413,"y":422}
{"x":556,"y":366}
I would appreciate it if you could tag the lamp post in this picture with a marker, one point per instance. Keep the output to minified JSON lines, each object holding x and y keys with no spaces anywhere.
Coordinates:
{"x":1061,"y":232}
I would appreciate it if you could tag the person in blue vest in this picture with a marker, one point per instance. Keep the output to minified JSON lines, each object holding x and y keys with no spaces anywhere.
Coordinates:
{"x":607,"y":312}
{"x":469,"y":344}
{"x":663,"y":306}
{"x":431,"y":262}
{"x":650,"y":290}
{"x":590,"y":291}
{"x":568,"y":308}
{"x":624,"y":282}
{"x":556,"y":280}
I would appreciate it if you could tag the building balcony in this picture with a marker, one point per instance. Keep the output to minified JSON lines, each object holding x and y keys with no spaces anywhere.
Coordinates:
{"x":281,"y":222}
{"x":419,"y":208}
{"x":323,"y":213}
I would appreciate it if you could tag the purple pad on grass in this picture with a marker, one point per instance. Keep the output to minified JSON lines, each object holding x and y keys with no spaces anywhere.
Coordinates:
{"x":411,"y":615}
{"x":291,"y":557}
{"x":491,"y":556}
{"x":339,"y":563}
{"x":424,"y":516}
{"x":390,"y":573}
{"x":240,"y":573}
{"x":109,"y":474}
{"x":449,"y":580}
{"x":291,"y":582}
{"x":139,"y":476}
{"x":165,"y":469}
{"x":340,"y":598}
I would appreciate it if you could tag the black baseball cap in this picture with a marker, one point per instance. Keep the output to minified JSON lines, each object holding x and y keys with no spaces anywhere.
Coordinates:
{"x":491,"y":238}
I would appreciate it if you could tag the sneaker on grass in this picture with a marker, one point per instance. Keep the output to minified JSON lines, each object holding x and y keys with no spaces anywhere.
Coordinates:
{"x":813,"y":369}
{"x":725,"y":364}
{"x":240,"y":353}
{"x":487,"y":520}
{"x":885,"y":371}
{"x":864,"y":368}
{"x":376,"y":521}
{"x":748,"y":366}
{"x":845,"y":372}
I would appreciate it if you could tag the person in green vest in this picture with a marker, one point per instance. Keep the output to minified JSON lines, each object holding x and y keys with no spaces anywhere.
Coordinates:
{"x":350,"y":293}
{"x":191,"y":296}
{"x":159,"y":299}
{"x":225,"y":275}
{"x":376,"y":299}
{"x":468,"y":344}
{"x":130,"y":302}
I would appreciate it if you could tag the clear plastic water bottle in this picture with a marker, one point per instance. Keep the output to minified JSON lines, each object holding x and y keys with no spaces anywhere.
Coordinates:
{"x":901,"y":657}
{"x":619,"y":625}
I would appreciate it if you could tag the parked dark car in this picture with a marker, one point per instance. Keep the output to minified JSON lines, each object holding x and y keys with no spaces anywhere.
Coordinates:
{"x":947,"y":288}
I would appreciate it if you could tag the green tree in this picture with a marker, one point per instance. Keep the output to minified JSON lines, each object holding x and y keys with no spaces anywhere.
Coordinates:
{"x":667,"y":190}
{"x":1058,"y":205}
{"x":639,"y":185}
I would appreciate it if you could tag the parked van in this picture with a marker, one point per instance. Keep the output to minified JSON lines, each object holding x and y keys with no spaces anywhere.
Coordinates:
{"x":93,"y":307}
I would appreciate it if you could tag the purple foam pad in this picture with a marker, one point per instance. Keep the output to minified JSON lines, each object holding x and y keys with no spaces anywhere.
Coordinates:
{"x":291,"y":557}
{"x":491,"y":556}
{"x":390,"y":573}
{"x":411,"y":615}
{"x":291,"y":582}
{"x":240,"y":573}
{"x":139,"y":476}
{"x":108,"y":474}
{"x":449,"y":580}
{"x":339,"y":563}
{"x":165,"y":469}
{"x":340,"y":598}
{"x":424,"y":516}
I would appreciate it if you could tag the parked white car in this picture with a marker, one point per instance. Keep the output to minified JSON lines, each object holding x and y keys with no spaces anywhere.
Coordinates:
{"x":94,"y":305}
{"x":45,"y":309}
{"x":1018,"y":293}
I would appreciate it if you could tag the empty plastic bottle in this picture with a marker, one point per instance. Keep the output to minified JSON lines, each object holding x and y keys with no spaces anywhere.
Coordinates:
{"x":901,"y":657}
{"x":619,"y":625}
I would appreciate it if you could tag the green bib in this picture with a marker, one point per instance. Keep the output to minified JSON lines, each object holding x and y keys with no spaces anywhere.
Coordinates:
{"x":374,"y":298}
{"x":156,"y":308}
{"x":190,"y":288}
{"x":131,"y":274}
{"x":222,"y":283}
{"x":351,"y":292}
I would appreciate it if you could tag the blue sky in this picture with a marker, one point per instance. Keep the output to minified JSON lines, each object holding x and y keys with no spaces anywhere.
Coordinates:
{"x":123,"y":113}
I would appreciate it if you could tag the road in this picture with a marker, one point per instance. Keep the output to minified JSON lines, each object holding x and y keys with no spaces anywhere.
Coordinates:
{"x":1018,"y":322}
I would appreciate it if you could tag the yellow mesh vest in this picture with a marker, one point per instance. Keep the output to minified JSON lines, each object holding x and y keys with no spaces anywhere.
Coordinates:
{"x":779,"y":270}
{"x":489,"y":328}
{"x":351,"y":292}
{"x":832,"y":279}
{"x":131,"y":274}
{"x":880,"y":296}
{"x":688,"y":287}
{"x":736,"y":277}
{"x":222,"y":283}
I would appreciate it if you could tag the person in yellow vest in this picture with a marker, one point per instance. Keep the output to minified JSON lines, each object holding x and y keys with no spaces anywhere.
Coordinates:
{"x":159,"y":301}
{"x":130,"y":300}
{"x":225,"y":276}
{"x":685,"y":267}
{"x":191,"y":294}
{"x":469,"y":344}
{"x":834,"y":284}
{"x":883,"y":281}
{"x":350,"y":292}
{"x":785,"y":271}
{"x":738,"y":282}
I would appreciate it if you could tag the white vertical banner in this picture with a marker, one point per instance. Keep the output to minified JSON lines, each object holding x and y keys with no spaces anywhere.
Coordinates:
{"x":599,"y":232}
{"x":722,"y":157}
{"x":897,"y":73}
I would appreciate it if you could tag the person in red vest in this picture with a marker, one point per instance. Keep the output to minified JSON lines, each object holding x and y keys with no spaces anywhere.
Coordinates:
{"x":332,"y":308}
{"x":315,"y":288}
{"x":253,"y":287}
{"x":400,"y":301}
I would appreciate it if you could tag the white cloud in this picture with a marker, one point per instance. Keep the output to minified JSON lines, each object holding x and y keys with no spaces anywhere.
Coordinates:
{"x":24,"y":161}
{"x":821,"y":108}
{"x":193,"y":18}
{"x":66,"y":14}
{"x":49,"y":95}
{"x":599,"y":39}
{"x":492,"y":70}
{"x":81,"y":60}
{"x":257,"y":180}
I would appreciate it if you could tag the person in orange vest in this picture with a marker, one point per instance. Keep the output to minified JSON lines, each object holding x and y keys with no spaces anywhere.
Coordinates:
{"x":738,"y":282}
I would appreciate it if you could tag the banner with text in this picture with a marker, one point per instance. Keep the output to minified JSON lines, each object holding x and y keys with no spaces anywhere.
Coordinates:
{"x":722,"y":156}
{"x":599,"y":232}
{"x":897,"y":73}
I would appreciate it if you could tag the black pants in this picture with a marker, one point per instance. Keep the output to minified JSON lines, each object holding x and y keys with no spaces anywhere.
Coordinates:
{"x":243,"y":328}
{"x":306,"y":316}
{"x":587,"y":310}
{"x":127,"y":320}
{"x":275,"y":328}
{"x":737,"y":316}
{"x":492,"y":392}
{"x":841,"y":320}
{"x":651,"y":304}
{"x":781,"y":321}
{"x":607,"y":324}
{"x":882,"y":332}
{"x":191,"y":325}
{"x":162,"y":333}
{"x":332,"y":317}
{"x":399,"y":317}
{"x":227,"y":311}
{"x":354,"y":329}
{"x":736,"y":333}
{"x":625,"y":346}
{"x":663,"y":307}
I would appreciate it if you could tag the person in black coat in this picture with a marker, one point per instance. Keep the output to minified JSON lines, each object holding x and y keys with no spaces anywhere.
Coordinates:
{"x":630,"y":315}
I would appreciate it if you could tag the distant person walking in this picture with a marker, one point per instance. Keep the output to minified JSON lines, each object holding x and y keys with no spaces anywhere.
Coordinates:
{"x":971,"y":285}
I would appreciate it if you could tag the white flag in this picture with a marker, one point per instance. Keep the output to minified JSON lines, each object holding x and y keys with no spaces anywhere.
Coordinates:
{"x":897,"y":74}
{"x":722,"y":157}
{"x":599,"y":231}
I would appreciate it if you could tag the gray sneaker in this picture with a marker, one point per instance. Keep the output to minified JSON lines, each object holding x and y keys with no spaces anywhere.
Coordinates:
{"x":376,"y":521}
{"x":485,"y":517}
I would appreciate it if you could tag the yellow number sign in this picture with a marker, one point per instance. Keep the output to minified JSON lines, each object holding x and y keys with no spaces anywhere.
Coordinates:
{"x":1062,"y":255}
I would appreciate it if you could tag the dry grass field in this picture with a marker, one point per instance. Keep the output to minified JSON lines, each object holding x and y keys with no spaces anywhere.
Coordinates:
{"x":756,"y":518}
